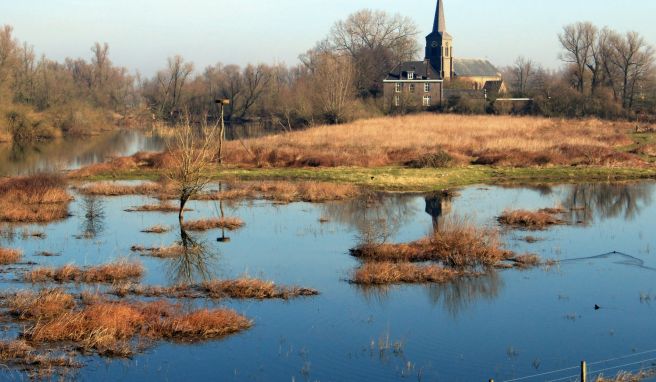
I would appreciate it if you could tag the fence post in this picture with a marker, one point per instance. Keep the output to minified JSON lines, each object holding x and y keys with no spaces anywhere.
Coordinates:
{"x":584,"y":372}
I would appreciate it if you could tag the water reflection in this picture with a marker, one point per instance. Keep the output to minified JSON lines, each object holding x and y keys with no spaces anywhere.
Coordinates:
{"x":460,"y":294}
{"x":71,"y":153}
{"x":196,"y":263}
{"x":93,"y":213}
{"x":606,"y":201}
{"x":374,"y":216}
{"x":438,"y":205}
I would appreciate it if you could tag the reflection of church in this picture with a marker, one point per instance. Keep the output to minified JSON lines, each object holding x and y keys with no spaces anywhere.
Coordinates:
{"x":438,"y":205}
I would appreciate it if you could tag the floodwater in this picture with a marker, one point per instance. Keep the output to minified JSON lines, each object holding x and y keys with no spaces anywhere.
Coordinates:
{"x":508,"y":324}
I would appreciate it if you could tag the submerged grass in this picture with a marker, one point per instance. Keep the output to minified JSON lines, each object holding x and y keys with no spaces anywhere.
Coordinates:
{"x":107,"y":273}
{"x":229,"y":223}
{"x":10,"y":256}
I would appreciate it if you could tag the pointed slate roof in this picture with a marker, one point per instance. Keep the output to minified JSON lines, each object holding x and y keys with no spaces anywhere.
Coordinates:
{"x":440,"y":21}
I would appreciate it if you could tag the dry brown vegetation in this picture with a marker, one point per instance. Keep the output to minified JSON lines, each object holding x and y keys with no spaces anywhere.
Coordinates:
{"x":457,"y":244}
{"x":119,"y":189}
{"x":107,"y":273}
{"x":242,"y":288}
{"x":533,"y":220}
{"x":172,"y":251}
{"x":492,"y":140}
{"x":229,"y":223}
{"x":39,"y":365}
{"x":35,"y":199}
{"x":161,"y":207}
{"x":10,"y":256}
{"x":285,"y":192}
{"x":629,"y":377}
{"x":138,"y":160}
{"x":158,"y":229}
{"x":381,"y":273}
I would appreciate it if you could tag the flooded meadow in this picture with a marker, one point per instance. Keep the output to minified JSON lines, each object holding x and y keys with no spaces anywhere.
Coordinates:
{"x":503,"y":324}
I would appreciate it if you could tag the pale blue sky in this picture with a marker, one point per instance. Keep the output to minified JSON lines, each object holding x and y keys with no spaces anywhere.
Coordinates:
{"x":143,"y":33}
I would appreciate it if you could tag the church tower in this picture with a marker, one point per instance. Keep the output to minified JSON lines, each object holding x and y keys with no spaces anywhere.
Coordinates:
{"x":439,"y":45}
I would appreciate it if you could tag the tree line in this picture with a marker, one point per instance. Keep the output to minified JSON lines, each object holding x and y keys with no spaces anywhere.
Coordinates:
{"x":605,"y":73}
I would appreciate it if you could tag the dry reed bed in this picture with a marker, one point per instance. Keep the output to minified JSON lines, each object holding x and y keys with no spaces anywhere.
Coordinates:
{"x":377,"y":273}
{"x":110,"y":327}
{"x":40,"y":365}
{"x":10,"y":256}
{"x":532,"y":220}
{"x":169,"y":252}
{"x":242,"y":288}
{"x":498,"y":140}
{"x":229,"y":223}
{"x":119,"y":189}
{"x":157,"y":229}
{"x":629,"y":377}
{"x":136,"y":161}
{"x":107,"y":273}
{"x":39,"y":198}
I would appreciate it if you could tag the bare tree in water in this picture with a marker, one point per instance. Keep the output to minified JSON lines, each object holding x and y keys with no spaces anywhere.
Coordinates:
{"x":192,"y":151}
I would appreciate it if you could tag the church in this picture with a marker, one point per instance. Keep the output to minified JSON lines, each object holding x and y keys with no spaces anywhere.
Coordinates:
{"x":422,"y":83}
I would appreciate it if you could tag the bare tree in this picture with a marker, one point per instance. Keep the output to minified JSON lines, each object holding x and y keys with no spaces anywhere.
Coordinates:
{"x":522,"y":72}
{"x":333,"y":76}
{"x":634,"y":59}
{"x":192,"y":152}
{"x":255,"y":79}
{"x":578,"y":41}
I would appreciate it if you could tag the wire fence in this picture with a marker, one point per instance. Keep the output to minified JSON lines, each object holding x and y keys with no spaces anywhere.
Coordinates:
{"x":648,"y":363}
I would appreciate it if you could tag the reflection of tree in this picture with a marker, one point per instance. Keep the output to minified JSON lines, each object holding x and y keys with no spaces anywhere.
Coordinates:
{"x":195,"y":263}
{"x":94,"y":216}
{"x":463,"y":292}
{"x":607,"y":200}
{"x":438,"y":205}
{"x":375,"y":216}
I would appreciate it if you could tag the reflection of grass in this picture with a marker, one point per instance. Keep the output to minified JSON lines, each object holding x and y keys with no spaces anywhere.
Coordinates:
{"x":405,"y":179}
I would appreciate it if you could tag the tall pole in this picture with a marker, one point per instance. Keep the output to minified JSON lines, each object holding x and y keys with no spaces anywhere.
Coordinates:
{"x":221,"y":134}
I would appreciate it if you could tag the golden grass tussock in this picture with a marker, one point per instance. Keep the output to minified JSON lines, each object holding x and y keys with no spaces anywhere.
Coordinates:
{"x":44,"y":304}
{"x":229,"y":223}
{"x":10,"y":256}
{"x":528,"y":260}
{"x":107,"y":273}
{"x":532,"y":220}
{"x":497,"y":140}
{"x":384,"y":273}
{"x":109,"y":328}
{"x":457,"y":244}
{"x":39,"y":198}
{"x":119,"y":189}
{"x":172,"y":251}
{"x":242,"y":288}
{"x":141,"y":160}
{"x":161,"y":207}
{"x":157,"y":229}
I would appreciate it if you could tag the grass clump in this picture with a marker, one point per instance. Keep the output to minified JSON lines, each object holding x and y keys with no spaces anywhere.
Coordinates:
{"x":119,"y":189}
{"x":457,"y":244}
{"x":383,"y":273}
{"x":107,"y":273}
{"x":39,"y":198}
{"x":161,"y":207}
{"x":39,"y":365}
{"x":10,"y":256}
{"x":440,"y":159}
{"x":229,"y":223}
{"x":532,"y":220}
{"x":44,"y":304}
{"x":169,"y":252}
{"x":158,"y":229}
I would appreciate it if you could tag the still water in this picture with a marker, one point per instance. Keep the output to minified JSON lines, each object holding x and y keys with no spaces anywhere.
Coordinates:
{"x":505,"y":325}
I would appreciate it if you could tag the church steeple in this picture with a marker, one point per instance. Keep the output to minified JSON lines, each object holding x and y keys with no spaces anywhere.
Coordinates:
{"x":439,"y":45}
{"x":440,"y":22}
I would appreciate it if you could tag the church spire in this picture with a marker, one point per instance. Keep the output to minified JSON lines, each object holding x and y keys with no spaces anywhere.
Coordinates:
{"x":440,"y":22}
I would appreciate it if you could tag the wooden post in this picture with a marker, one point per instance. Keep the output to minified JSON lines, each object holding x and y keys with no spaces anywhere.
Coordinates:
{"x":221,"y":103}
{"x":584,"y":372}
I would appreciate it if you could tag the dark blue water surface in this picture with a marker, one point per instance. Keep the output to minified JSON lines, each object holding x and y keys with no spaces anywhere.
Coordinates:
{"x":505,"y":325}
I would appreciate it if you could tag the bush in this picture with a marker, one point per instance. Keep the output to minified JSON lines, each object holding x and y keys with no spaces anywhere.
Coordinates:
{"x":26,"y":125}
{"x":440,"y":159}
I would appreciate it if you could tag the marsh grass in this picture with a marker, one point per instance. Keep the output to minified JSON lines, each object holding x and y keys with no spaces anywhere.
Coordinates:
{"x":229,"y":223}
{"x":161,"y":207}
{"x":242,"y":288}
{"x":119,"y":189}
{"x":492,"y":140}
{"x":40,"y":365}
{"x":629,"y":377}
{"x":531,"y":220}
{"x":384,"y":273}
{"x":169,"y":252}
{"x":107,"y":273}
{"x":39,"y":198}
{"x":284,"y":192}
{"x":157,"y":229}
{"x":10,"y":256}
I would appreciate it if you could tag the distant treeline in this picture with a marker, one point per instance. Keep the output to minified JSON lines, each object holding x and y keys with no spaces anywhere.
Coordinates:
{"x":605,"y":74}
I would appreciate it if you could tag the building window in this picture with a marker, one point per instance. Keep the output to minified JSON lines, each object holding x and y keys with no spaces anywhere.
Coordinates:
{"x":399,"y":87}
{"x":412,"y":88}
{"x":411,"y":75}
{"x":397,"y":101}
{"x":426,"y":87}
{"x":427,"y":100}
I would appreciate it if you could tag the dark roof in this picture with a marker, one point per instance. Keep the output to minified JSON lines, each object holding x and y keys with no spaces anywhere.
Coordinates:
{"x":471,"y":67}
{"x":423,"y":71}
